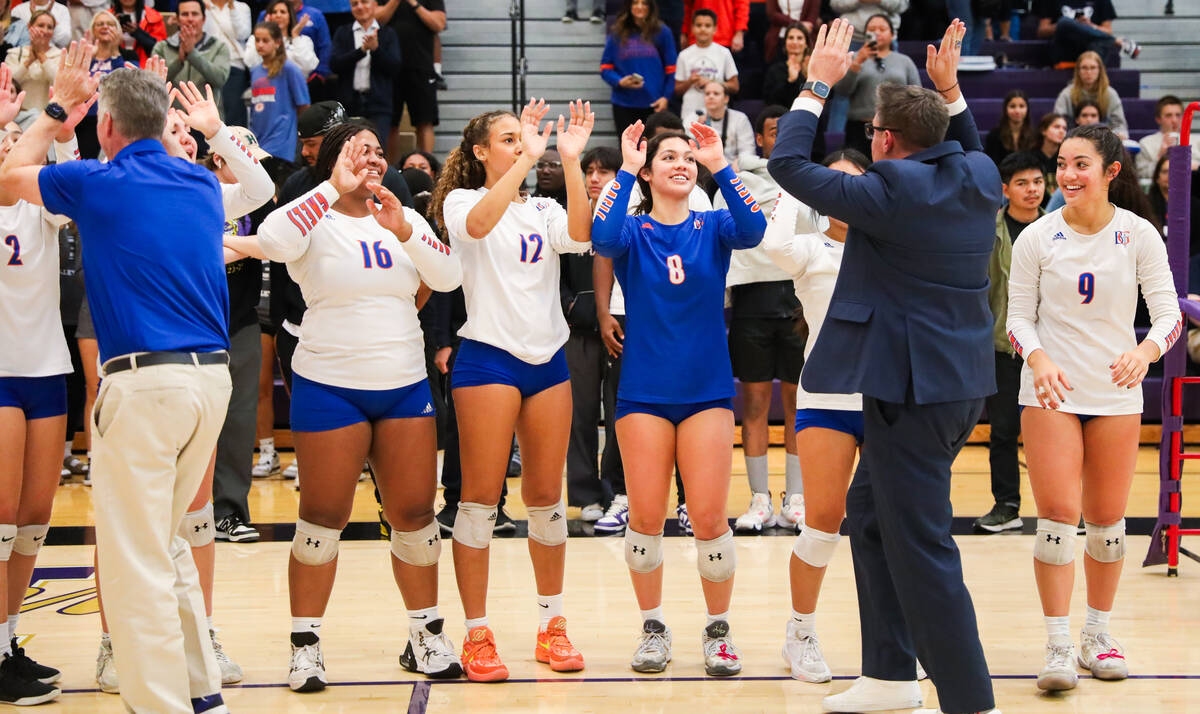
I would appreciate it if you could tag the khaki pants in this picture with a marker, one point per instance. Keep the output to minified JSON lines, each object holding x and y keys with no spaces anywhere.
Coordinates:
{"x":153,"y":433}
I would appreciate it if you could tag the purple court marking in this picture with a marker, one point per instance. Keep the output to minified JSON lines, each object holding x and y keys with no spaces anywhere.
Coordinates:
{"x":419,"y":699}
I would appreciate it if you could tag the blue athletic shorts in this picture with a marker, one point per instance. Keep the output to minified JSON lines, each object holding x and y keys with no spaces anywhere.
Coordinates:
{"x":1083,"y":418}
{"x":479,"y":364}
{"x":842,"y":420}
{"x":38,"y":397}
{"x":674,"y":413}
{"x":320,"y":407}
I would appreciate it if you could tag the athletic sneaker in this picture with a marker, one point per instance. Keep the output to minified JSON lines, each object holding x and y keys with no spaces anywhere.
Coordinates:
{"x":653,"y":652}
{"x":553,"y":647}
{"x":234,"y":530}
{"x":802,"y":652}
{"x":18,"y":690}
{"x":431,"y":653}
{"x":231,"y":673}
{"x":1059,"y":672}
{"x":1002,"y":517}
{"x":598,"y":16}
{"x":480,"y":659}
{"x":1131,"y":48}
{"x":758,"y":516}
{"x":292,"y":471}
{"x":721,"y":657}
{"x":570,"y":16}
{"x":106,"y":668}
{"x":617,"y":517}
{"x":74,"y":466}
{"x":791,"y":511}
{"x":1101,"y":655}
{"x":591,"y":512}
{"x":267,"y":465}
{"x":504,"y":524}
{"x":26,"y":667}
{"x":439,"y":81}
{"x":514,"y":462}
{"x":445,"y":519}
{"x":685,"y":523}
{"x":307,"y":673}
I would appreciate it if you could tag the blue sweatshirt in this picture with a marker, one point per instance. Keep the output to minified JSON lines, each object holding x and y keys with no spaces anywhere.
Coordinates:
{"x":655,"y":62}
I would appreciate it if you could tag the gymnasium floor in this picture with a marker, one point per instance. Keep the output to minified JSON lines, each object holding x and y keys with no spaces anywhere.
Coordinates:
{"x":364,"y":630}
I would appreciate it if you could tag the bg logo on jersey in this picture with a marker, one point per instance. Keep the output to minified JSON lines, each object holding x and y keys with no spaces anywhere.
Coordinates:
{"x":1122,"y":238}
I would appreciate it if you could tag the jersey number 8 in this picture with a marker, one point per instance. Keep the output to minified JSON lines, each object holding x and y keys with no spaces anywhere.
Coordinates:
{"x":675,"y":270}
{"x":1087,"y":287}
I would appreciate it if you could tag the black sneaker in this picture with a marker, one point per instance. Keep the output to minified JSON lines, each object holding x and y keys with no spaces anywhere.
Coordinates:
{"x":31,"y":669}
{"x":440,"y":81}
{"x":234,"y":530}
{"x":598,"y":17}
{"x":22,"y":691}
{"x":445,"y":519}
{"x":1002,"y":517}
{"x":514,"y":462}
{"x":570,"y":16}
{"x":504,"y":524}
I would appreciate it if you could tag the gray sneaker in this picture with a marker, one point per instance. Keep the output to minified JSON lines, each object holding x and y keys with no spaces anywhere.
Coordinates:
{"x":721,"y":657}
{"x":106,"y":668}
{"x":1059,"y":673}
{"x":1102,"y":656}
{"x":231,"y":673}
{"x":654,"y":648}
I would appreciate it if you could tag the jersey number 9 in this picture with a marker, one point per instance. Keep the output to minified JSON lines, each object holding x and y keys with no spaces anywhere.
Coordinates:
{"x":16,"y":250}
{"x":675,"y":270}
{"x":1087,"y":287}
{"x":383,"y":258}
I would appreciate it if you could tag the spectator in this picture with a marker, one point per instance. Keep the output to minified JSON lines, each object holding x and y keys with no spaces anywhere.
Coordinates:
{"x":110,"y":56}
{"x":424,"y":161}
{"x":638,"y":63}
{"x":784,"y":79}
{"x":1087,"y":112}
{"x":229,"y":22}
{"x":701,"y":63}
{"x":62,"y":18}
{"x":785,"y":14}
{"x":1052,"y":129}
{"x":1091,"y":82}
{"x":550,"y":180}
{"x":873,"y":64}
{"x":1168,"y":114}
{"x":1081,"y":26}
{"x":141,"y":27}
{"x":299,"y":47}
{"x":82,"y":12}
{"x":336,"y":12}
{"x":310,"y":22}
{"x":1158,"y":196}
{"x":366,"y":57}
{"x":35,"y":66}
{"x":572,"y":13}
{"x":192,"y":55}
{"x":417,"y":24}
{"x":1015,"y":130}
{"x":860,"y":12}
{"x":278,"y":94}
{"x":732,"y":19}
{"x":737,"y":135}
{"x":670,"y":12}
{"x":13,"y":32}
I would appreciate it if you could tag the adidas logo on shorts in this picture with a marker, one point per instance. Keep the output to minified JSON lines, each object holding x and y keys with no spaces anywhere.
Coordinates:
{"x":428,"y":408}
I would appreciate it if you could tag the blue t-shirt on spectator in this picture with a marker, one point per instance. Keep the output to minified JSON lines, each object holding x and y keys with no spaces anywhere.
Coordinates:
{"x":317,"y":30}
{"x":273,"y":108}
{"x":151,"y":228}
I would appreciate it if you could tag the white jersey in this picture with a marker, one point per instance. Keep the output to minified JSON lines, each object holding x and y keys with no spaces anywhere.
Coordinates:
{"x":254,"y":186}
{"x":813,"y":261}
{"x":1075,"y":296}
{"x":510,"y":276}
{"x":360,"y":284}
{"x":697,"y":201}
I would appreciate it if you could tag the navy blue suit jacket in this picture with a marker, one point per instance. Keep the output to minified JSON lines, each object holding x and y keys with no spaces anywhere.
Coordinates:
{"x":385,"y":64}
{"x":910,"y":307}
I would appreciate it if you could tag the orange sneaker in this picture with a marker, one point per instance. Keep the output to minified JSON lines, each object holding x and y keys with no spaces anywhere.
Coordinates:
{"x":479,"y":657}
{"x":554,"y":649}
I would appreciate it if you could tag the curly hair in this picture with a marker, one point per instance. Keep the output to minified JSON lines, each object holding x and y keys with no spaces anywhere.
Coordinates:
{"x":462,"y":169}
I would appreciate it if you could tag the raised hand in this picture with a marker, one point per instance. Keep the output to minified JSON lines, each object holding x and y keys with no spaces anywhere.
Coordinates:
{"x":707,"y":147}
{"x":390,"y":214}
{"x":157,"y":65}
{"x":831,"y":56}
{"x":345,"y":178}
{"x":10,"y":103}
{"x":573,"y":135}
{"x":534,"y":139}
{"x":198,"y":111}
{"x":74,"y":83}
{"x":942,"y":63}
{"x":633,"y":148}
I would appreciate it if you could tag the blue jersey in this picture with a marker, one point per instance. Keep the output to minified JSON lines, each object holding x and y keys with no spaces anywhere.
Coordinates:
{"x":673,"y":276}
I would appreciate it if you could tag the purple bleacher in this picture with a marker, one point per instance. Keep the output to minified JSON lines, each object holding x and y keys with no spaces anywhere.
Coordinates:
{"x":1035,"y":82}
{"x":987,"y":111}
{"x":1028,"y":53}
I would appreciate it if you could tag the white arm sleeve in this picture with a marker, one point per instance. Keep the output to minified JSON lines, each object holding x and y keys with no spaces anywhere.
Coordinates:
{"x":1158,"y":287}
{"x":458,"y":204}
{"x":286,"y":232}
{"x":557,"y":234}
{"x":1024,"y":281}
{"x":254,"y":186}
{"x":780,"y":244}
{"x":439,"y":268}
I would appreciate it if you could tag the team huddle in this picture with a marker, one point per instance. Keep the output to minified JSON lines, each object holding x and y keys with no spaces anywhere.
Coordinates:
{"x":365,"y":264}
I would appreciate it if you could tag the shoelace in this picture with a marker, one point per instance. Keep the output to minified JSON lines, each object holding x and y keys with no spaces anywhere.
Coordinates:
{"x":1060,"y":655}
{"x":721,"y":651}
{"x":1104,"y":641}
{"x":615,"y":508}
{"x":811,"y":651}
{"x":307,"y":657}
{"x":653,"y":642}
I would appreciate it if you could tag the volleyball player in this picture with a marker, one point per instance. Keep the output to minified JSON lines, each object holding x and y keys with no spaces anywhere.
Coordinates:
{"x":511,"y":369}
{"x":1073,"y":291}
{"x":359,"y":389}
{"x":671,"y":263}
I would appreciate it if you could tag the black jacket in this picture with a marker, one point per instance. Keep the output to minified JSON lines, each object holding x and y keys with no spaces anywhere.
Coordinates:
{"x":385,"y":63}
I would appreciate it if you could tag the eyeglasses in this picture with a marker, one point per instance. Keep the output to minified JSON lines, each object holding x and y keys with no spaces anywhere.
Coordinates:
{"x":548,"y":165}
{"x":870,"y":129}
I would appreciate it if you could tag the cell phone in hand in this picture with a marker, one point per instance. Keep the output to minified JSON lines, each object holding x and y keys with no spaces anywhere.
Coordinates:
{"x":638,"y":77}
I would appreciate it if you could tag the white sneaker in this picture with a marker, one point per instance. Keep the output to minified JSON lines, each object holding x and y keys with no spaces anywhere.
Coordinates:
{"x":758,"y":516}
{"x":802,"y":652}
{"x":106,"y":668}
{"x":791,"y":512}
{"x":267,"y":465}
{"x":922,"y":675}
{"x":591,"y":512}
{"x":1059,"y":673}
{"x":431,"y":653}
{"x":307,"y":673}
{"x":291,"y":471}
{"x":617,"y":517}
{"x":872,"y":695}
{"x":1102,"y":656}
{"x":653,"y":652}
{"x":721,"y":657}
{"x":231,"y":673}
{"x":939,"y":711}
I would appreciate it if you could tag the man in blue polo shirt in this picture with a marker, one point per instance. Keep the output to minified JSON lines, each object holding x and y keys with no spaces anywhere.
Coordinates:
{"x":151,"y":226}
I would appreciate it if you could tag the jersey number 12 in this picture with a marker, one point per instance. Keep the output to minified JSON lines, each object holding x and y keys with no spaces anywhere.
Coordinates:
{"x":675,"y":269}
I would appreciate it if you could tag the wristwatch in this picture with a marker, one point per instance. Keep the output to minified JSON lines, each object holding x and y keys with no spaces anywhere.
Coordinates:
{"x":56,"y":112}
{"x":818,"y":88}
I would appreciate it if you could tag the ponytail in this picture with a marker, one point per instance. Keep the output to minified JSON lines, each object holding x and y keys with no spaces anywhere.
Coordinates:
{"x":462,"y":168}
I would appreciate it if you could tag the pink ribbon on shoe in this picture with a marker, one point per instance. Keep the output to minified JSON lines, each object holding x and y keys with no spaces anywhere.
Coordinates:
{"x":1113,"y":654}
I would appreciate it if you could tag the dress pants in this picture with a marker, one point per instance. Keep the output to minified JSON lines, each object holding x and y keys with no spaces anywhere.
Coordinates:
{"x":1004,"y":417}
{"x":587,"y":360}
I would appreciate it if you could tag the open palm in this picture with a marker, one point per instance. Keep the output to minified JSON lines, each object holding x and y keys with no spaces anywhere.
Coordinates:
{"x":389,"y":213}
{"x":198,"y":111}
{"x":707,"y":147}
{"x":573,"y":134}
{"x":534,"y":139}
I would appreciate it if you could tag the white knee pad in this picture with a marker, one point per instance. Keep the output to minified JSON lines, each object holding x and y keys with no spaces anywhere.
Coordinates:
{"x":421,"y":547}
{"x":313,"y":544}
{"x":548,"y":524}
{"x":1106,"y":544}
{"x":1055,"y":542}
{"x":30,"y":539}
{"x":474,"y":523}
{"x":717,"y":558}
{"x":815,"y":547}
{"x":8,"y":535}
{"x":643,"y":553}
{"x":197,"y":526}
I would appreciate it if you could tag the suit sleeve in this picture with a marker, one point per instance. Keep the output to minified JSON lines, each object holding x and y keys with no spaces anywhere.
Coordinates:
{"x":610,"y":236}
{"x":962,"y":127}
{"x":1158,"y":288}
{"x":438,"y":267}
{"x":388,"y":54}
{"x":745,"y":224}
{"x":344,"y":54}
{"x":1024,"y":286}
{"x":286,"y":233}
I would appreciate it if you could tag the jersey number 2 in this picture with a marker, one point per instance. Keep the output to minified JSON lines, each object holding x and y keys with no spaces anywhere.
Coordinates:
{"x":1087,"y":287}
{"x":383,"y":258}
{"x":675,"y":269}
{"x":16,"y":249}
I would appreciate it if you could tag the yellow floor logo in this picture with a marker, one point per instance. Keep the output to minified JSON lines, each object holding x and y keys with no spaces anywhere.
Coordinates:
{"x":70,"y":590}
